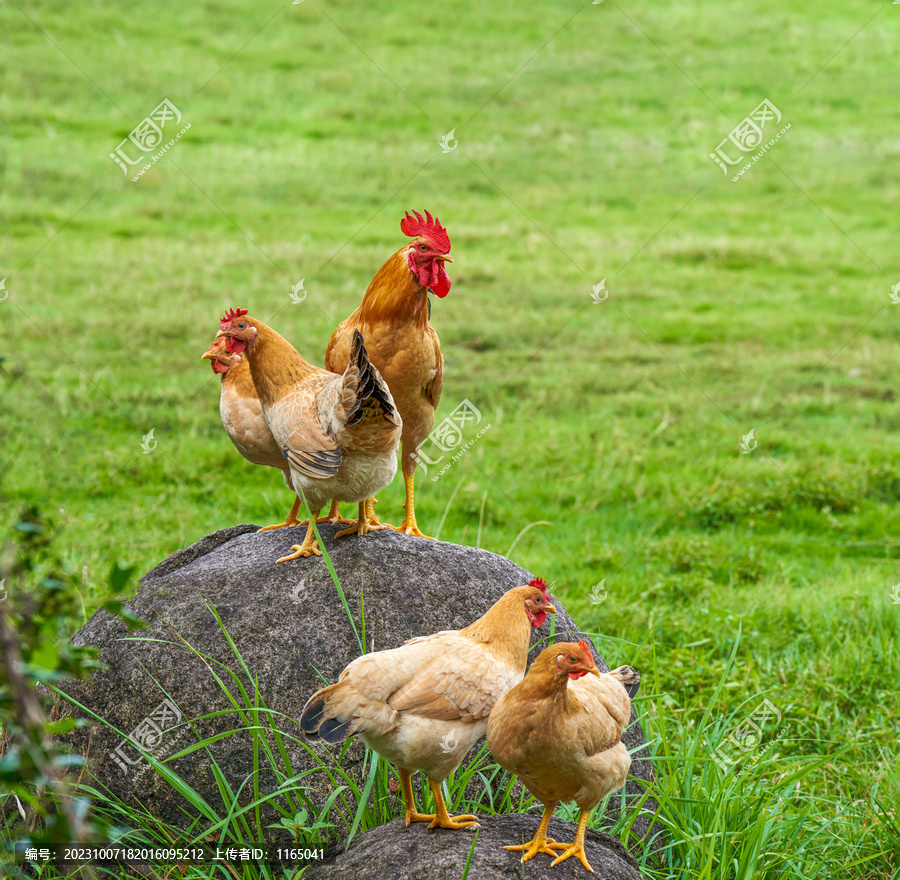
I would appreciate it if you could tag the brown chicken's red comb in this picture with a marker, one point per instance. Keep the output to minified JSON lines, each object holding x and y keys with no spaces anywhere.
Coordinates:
{"x":230,"y":315}
{"x":539,"y":583}
{"x":586,"y":652}
{"x":430,"y":229}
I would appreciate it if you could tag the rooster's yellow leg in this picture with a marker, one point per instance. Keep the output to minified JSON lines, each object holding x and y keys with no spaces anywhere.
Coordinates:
{"x":442,"y":818}
{"x":334,"y":516}
{"x":290,"y":521}
{"x":307,"y":548}
{"x":540,"y":843}
{"x":361,"y":526}
{"x":409,"y":526}
{"x":576,"y":848}
{"x":410,"y":813}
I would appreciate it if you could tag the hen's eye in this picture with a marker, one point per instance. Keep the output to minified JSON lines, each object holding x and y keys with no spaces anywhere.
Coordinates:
{"x":241,"y":326}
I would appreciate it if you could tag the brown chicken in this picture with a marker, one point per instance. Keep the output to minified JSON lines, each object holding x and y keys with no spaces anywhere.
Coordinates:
{"x":562,"y":736}
{"x":338,"y":433}
{"x":422,"y":706}
{"x":245,"y":423}
{"x":402,"y":344}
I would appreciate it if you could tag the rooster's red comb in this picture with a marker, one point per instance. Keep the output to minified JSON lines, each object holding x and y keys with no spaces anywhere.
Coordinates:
{"x":539,"y":583}
{"x":230,"y":315}
{"x":429,"y":227}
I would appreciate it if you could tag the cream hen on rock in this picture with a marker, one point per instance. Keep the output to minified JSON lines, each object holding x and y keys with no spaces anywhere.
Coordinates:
{"x":422,"y":706}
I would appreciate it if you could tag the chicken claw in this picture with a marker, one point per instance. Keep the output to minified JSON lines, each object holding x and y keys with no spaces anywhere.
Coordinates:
{"x":540,"y":843}
{"x":576,"y":848}
{"x":442,"y":819}
{"x":307,"y":548}
{"x":361,"y":526}
{"x":334,"y":516}
{"x":409,"y":525}
{"x":290,"y":521}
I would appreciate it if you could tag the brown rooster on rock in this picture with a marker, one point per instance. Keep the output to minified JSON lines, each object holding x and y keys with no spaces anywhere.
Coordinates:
{"x":402,"y":344}
{"x":338,"y":432}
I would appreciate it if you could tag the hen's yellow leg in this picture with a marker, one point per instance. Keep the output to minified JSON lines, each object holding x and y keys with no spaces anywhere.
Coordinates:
{"x":410,"y":813}
{"x":307,"y":548}
{"x":361,"y":526}
{"x":334,"y":516}
{"x":371,"y":516}
{"x":409,"y":526}
{"x":540,"y":843}
{"x":290,"y":521}
{"x":442,"y":818}
{"x":576,"y":848}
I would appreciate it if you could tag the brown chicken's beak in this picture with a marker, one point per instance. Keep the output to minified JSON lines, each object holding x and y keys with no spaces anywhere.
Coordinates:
{"x":207,"y":356}
{"x":593,"y":671}
{"x":222,"y":333}
{"x":446,"y":258}
{"x":550,"y":609}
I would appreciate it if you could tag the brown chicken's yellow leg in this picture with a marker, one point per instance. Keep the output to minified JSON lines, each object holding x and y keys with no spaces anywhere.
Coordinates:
{"x":290,"y":521}
{"x":576,"y":848}
{"x":361,"y":526}
{"x":410,"y":813}
{"x":307,"y":548}
{"x":409,"y":526}
{"x":442,"y":818}
{"x":334,"y":516}
{"x":540,"y":843}
{"x":371,"y":516}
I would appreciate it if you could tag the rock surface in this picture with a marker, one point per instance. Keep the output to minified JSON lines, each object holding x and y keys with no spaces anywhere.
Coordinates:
{"x":291,"y":629}
{"x":394,"y":852}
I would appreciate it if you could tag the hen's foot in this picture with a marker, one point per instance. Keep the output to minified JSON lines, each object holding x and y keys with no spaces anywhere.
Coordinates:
{"x":409,"y":526}
{"x":454,"y":823}
{"x":534,"y":846}
{"x":291,"y":519}
{"x":361,"y":526}
{"x":307,"y":548}
{"x":576,"y":848}
{"x":370,"y":512}
{"x":334,"y":516}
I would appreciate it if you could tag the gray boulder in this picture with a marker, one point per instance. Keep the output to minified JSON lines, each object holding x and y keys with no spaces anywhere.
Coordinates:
{"x":292,"y":632}
{"x":395,"y":852}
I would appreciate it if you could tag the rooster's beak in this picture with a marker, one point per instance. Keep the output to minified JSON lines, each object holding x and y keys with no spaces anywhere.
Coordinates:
{"x":446,"y":258}
{"x":222,"y":333}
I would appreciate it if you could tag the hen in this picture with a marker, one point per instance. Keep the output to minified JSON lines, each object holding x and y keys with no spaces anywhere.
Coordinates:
{"x":562,"y":736}
{"x":402,"y":344}
{"x":422,"y":706}
{"x":338,"y":433}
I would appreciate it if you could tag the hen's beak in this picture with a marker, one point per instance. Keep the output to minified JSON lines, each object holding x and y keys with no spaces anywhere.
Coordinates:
{"x":593,"y":671}
{"x":446,"y":258}
{"x":550,"y":609}
{"x":222,"y":333}
{"x":207,"y":356}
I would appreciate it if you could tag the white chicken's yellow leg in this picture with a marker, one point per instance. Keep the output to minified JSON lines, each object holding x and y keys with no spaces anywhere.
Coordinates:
{"x":576,"y":848}
{"x":291,"y":518}
{"x":409,"y":526}
{"x":308,"y":547}
{"x":361,"y":526}
{"x":410,"y":813}
{"x":540,"y":843}
{"x":442,"y":818}
{"x":334,"y":515}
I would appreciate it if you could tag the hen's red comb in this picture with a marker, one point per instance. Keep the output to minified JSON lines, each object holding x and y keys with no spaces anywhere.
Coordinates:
{"x":539,"y":583}
{"x":586,"y":652}
{"x":230,"y":315}
{"x":429,"y":228}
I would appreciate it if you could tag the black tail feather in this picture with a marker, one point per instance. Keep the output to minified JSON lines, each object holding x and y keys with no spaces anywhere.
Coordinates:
{"x":373,"y":390}
{"x":316,"y":726}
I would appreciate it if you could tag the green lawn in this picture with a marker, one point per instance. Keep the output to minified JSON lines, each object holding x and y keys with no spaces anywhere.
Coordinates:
{"x":583,"y":140}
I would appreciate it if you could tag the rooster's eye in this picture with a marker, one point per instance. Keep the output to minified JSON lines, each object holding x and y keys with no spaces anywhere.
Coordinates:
{"x":422,"y":247}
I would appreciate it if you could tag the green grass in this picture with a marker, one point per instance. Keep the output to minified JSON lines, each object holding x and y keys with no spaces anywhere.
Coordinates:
{"x":761,"y":304}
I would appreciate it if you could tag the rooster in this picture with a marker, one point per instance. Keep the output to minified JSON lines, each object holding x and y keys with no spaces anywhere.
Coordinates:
{"x":402,"y":344}
{"x":338,"y":433}
{"x":422,"y":706}
{"x":562,"y":736}
{"x":246,"y":426}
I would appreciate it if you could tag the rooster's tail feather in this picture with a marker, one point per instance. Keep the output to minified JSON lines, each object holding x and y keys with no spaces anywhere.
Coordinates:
{"x":372,"y":395}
